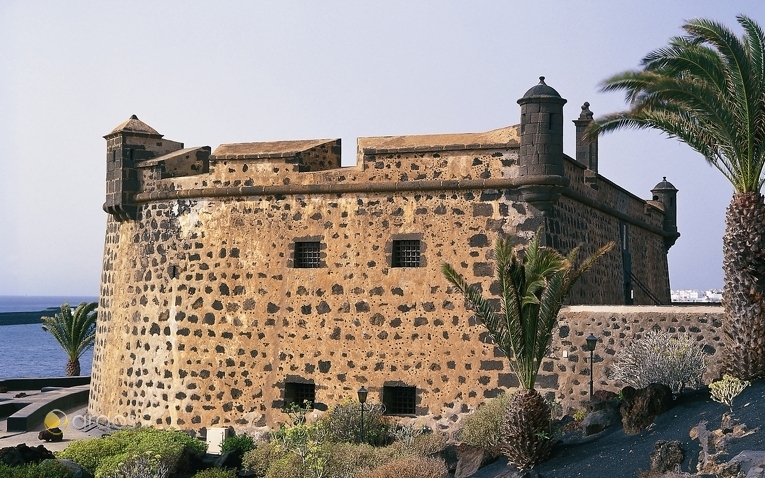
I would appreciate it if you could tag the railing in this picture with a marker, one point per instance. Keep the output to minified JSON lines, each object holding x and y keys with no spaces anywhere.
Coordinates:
{"x":645,"y":290}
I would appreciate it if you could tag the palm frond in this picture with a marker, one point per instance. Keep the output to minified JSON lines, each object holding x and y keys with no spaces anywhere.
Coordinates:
{"x":706,"y":89}
{"x":532,"y":290}
{"x":75,"y":332}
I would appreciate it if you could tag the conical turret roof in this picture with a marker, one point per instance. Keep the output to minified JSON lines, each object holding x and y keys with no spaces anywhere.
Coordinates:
{"x":664,"y":185}
{"x":541,"y":89}
{"x":134,"y":125}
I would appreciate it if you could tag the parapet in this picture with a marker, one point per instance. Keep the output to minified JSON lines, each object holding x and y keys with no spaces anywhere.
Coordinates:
{"x":307,"y":155}
{"x":498,"y":138}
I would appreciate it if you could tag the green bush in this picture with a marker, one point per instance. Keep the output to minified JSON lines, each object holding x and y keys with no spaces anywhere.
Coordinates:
{"x":482,"y":427}
{"x":46,"y":469}
{"x":580,"y":414}
{"x":144,"y":466}
{"x":342,"y":422}
{"x":259,"y":459}
{"x":216,"y":473}
{"x":106,"y":455}
{"x":288,"y":466}
{"x":239,"y":443}
{"x":328,"y":460}
{"x":411,"y":467}
{"x":725,"y":390}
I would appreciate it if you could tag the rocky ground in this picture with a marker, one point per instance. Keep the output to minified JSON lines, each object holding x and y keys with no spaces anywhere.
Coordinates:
{"x":613,"y":453}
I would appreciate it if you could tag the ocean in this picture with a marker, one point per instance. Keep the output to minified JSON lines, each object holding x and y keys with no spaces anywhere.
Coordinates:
{"x":26,"y":350}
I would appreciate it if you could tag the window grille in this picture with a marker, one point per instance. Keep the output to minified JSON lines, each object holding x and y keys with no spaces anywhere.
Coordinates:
{"x":298,"y":393}
{"x":406,"y":253}
{"x":307,"y":255}
{"x":399,"y":400}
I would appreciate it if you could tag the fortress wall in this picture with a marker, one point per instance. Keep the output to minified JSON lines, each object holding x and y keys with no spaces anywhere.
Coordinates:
{"x":209,"y":319}
{"x":616,"y":327}
{"x":573,"y":223}
{"x":204,"y":317}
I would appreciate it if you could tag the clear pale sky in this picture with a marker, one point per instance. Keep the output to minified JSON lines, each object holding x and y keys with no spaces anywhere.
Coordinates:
{"x":207,"y":73}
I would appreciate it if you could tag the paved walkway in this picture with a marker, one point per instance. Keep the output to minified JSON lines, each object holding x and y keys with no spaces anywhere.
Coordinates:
{"x":71,"y":433}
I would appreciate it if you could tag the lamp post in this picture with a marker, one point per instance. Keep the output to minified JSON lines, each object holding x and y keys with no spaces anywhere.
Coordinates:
{"x":362,"y":400}
{"x":592,"y":341}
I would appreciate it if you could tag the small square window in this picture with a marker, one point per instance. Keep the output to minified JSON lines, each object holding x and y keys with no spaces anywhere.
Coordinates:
{"x":307,"y":255}
{"x":399,"y":400}
{"x":406,"y":253}
{"x":298,"y":393}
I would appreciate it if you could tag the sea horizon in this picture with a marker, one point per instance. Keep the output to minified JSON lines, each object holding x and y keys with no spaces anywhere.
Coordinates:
{"x":36,"y":303}
{"x":29,"y":351}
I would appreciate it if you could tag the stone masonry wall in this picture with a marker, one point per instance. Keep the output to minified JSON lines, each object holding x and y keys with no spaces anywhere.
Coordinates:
{"x":574,"y":223}
{"x":205,"y":321}
{"x":616,"y":327}
{"x":203,"y":318}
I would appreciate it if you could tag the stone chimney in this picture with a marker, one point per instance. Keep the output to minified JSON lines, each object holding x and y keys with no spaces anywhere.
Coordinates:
{"x":586,"y":150}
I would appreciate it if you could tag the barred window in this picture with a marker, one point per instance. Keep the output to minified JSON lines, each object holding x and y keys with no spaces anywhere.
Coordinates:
{"x":307,"y":255}
{"x":406,"y":253}
{"x":298,"y":393}
{"x":399,"y":400}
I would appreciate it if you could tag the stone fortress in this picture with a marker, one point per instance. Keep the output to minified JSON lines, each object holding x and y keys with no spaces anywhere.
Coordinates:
{"x":238,"y":280}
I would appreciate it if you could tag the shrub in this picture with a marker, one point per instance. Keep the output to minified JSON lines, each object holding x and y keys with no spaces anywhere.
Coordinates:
{"x":216,"y":473}
{"x":661,"y":357}
{"x":139,"y":467}
{"x":104,"y":456}
{"x":421,"y":444}
{"x":260,"y":458}
{"x":326,"y":460}
{"x":411,"y":467}
{"x":348,"y":460}
{"x":238,"y":443}
{"x":341,"y":424}
{"x":47,"y":469}
{"x":725,"y":390}
{"x":288,"y":466}
{"x":482,"y":427}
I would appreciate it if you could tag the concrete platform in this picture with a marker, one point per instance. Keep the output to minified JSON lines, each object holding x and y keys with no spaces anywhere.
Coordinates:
{"x":32,"y":410}
{"x":30,"y":437}
{"x":22,"y":419}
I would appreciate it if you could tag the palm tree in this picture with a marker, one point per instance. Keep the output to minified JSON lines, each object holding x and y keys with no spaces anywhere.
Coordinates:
{"x":707,"y":89}
{"x":532,"y":291}
{"x":76,"y":332}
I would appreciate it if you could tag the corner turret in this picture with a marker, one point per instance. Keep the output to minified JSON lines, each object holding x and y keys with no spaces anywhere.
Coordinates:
{"x":129,"y":143}
{"x":666,"y":193}
{"x":541,"y":153}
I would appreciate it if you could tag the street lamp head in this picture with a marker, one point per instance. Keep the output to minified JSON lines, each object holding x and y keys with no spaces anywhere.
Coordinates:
{"x":362,"y":395}
{"x":592,"y":341}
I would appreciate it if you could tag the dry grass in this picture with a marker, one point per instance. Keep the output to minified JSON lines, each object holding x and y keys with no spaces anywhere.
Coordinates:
{"x":411,"y":467}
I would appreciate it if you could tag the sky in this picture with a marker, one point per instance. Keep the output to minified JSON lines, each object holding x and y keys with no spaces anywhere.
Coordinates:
{"x":206,"y":73}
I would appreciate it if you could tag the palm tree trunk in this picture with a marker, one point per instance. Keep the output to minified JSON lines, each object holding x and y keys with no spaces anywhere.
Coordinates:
{"x":744,"y":291}
{"x":73,"y":368}
{"x":526,"y":431}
